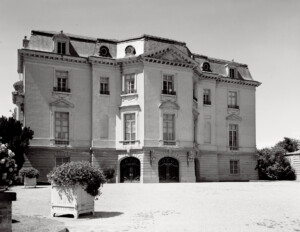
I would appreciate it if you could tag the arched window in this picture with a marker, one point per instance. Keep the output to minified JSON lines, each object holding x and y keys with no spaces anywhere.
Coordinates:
{"x":130,"y":51}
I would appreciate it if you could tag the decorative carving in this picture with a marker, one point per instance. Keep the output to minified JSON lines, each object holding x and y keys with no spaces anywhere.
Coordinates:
{"x":61,"y":102}
{"x":169,"y":105}
{"x":233,"y":117}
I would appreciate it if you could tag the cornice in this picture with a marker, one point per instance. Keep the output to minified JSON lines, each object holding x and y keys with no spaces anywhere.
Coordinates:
{"x":52,"y":56}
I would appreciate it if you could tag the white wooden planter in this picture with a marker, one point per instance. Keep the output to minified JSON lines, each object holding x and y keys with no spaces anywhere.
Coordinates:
{"x":71,"y":200}
{"x":29,"y":182}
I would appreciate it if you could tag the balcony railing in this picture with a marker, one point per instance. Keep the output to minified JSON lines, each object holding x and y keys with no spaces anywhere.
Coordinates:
{"x":232,"y":148}
{"x":129,"y":91}
{"x":61,"y":89}
{"x":169,"y":142}
{"x":168,"y":91}
{"x":61,"y":142}
{"x":233,"y":106}
{"x":105,"y":92}
{"x":206,"y":102}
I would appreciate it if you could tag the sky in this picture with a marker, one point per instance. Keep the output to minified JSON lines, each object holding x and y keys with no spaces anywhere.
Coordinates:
{"x":265,"y":34}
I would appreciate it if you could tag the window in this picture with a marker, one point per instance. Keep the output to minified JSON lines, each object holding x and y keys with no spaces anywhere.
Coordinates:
{"x":61,"y":81}
{"x":234,"y":167}
{"x":61,"y":128}
{"x":169,"y":129}
{"x":233,"y":137}
{"x":232,"y":100}
{"x":231,"y":73}
{"x":61,"y":48}
{"x":206,"y":97}
{"x":130,"y":131}
{"x":206,"y":67}
{"x":168,"y":85}
{"x":129,"y":84}
{"x":104,"y":85}
{"x":61,"y":160}
{"x":130,"y":51}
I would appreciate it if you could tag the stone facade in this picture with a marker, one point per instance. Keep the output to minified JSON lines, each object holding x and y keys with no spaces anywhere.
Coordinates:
{"x":145,"y":106}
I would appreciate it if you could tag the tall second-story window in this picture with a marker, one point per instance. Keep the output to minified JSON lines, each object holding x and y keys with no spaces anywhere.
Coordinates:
{"x":232,"y":100}
{"x":129,"y":83}
{"x":61,"y":81}
{"x":168,"y":85}
{"x":62,"y":128}
{"x":61,"y":48}
{"x":206,"y":97}
{"x":129,"y":128}
{"x":169,"y":129}
{"x":104,"y":85}
{"x":233,"y":137}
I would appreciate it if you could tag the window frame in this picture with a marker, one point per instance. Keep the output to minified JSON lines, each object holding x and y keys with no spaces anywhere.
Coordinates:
{"x":234,"y":167}
{"x":104,"y":87}
{"x":231,"y":73}
{"x":233,"y":137}
{"x":168,"y":84}
{"x":62,"y":161}
{"x":206,"y":97}
{"x":58,"y":139}
{"x":166,"y":121}
{"x":131,"y":139}
{"x":129,"y":88}
{"x":58,"y":84}
{"x":233,"y":99}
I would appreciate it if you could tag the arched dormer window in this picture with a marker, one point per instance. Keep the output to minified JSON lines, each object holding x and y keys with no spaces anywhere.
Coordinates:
{"x":61,"y":44}
{"x":104,"y":51}
{"x":130,"y":51}
{"x":206,"y":67}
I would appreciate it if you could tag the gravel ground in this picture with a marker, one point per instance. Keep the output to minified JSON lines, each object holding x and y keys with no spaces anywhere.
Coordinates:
{"x":204,"y":207}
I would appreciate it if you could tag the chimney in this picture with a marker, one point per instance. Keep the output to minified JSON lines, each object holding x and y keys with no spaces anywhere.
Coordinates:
{"x":25,"y":42}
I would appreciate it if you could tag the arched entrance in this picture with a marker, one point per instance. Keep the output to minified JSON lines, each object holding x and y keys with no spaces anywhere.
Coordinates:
{"x":130,"y":169}
{"x":168,"y":169}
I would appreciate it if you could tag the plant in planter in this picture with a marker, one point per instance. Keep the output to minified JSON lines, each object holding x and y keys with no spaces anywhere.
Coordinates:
{"x":30,"y":175}
{"x":74,"y":188}
{"x":109,"y":174}
{"x":8,"y":167}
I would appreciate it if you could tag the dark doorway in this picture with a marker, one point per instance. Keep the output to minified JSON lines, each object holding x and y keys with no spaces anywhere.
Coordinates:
{"x":130,"y":170}
{"x":168,"y":170}
{"x":197,"y":170}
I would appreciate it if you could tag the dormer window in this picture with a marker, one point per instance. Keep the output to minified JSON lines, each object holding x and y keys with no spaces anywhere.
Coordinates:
{"x":61,"y":44}
{"x":130,"y":51}
{"x":61,"y":48}
{"x":231,"y":72}
{"x":206,"y":67}
{"x":104,"y":51}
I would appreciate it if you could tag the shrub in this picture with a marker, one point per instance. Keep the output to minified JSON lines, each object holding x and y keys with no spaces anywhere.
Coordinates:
{"x":82,"y":173}
{"x":29,"y":172}
{"x":272,"y":165}
{"x":8,"y":166}
{"x":109,"y":173}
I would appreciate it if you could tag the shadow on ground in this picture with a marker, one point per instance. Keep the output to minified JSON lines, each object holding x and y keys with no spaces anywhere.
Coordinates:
{"x":97,"y":214}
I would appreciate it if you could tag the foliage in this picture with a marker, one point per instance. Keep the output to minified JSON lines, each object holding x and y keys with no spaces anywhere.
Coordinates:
{"x":16,"y":136}
{"x":82,"y":173}
{"x":29,"y":172}
{"x":8,"y":166}
{"x":109,"y":173}
{"x":288,"y":144}
{"x":272,"y":165}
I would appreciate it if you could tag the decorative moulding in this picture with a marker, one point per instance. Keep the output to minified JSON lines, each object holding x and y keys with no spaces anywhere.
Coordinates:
{"x":169,"y":105}
{"x":62,"y":103}
{"x":233,"y":117}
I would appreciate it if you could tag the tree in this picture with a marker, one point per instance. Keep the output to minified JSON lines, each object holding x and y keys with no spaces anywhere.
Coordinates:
{"x":289,"y":144}
{"x":272,"y":164}
{"x":16,"y":136}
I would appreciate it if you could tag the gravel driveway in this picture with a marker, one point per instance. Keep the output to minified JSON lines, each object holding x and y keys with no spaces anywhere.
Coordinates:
{"x":205,"y":207}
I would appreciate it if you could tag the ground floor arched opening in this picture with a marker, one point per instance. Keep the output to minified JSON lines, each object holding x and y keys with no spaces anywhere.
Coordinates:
{"x":168,"y":169}
{"x":130,"y":170}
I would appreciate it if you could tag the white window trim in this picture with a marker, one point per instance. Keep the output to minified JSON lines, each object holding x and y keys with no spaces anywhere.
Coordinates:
{"x":135,"y":82}
{"x":237,"y":95}
{"x":136,"y":126}
{"x":68,"y":79}
{"x":56,"y":41}
{"x":238,"y":136}
{"x":108,"y":85}
{"x":238,"y":167}
{"x":174,"y":80}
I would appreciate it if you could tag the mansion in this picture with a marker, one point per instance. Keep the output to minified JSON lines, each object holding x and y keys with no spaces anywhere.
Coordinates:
{"x":147,"y":107}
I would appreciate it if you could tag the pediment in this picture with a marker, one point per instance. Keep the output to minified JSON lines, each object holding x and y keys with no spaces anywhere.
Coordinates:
{"x":169,"y":105}
{"x":62,"y":103}
{"x":233,"y":117}
{"x":61,"y":36}
{"x":169,"y":53}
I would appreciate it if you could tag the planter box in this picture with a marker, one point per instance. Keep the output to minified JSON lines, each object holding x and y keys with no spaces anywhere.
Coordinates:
{"x":29,"y":182}
{"x":71,"y":200}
